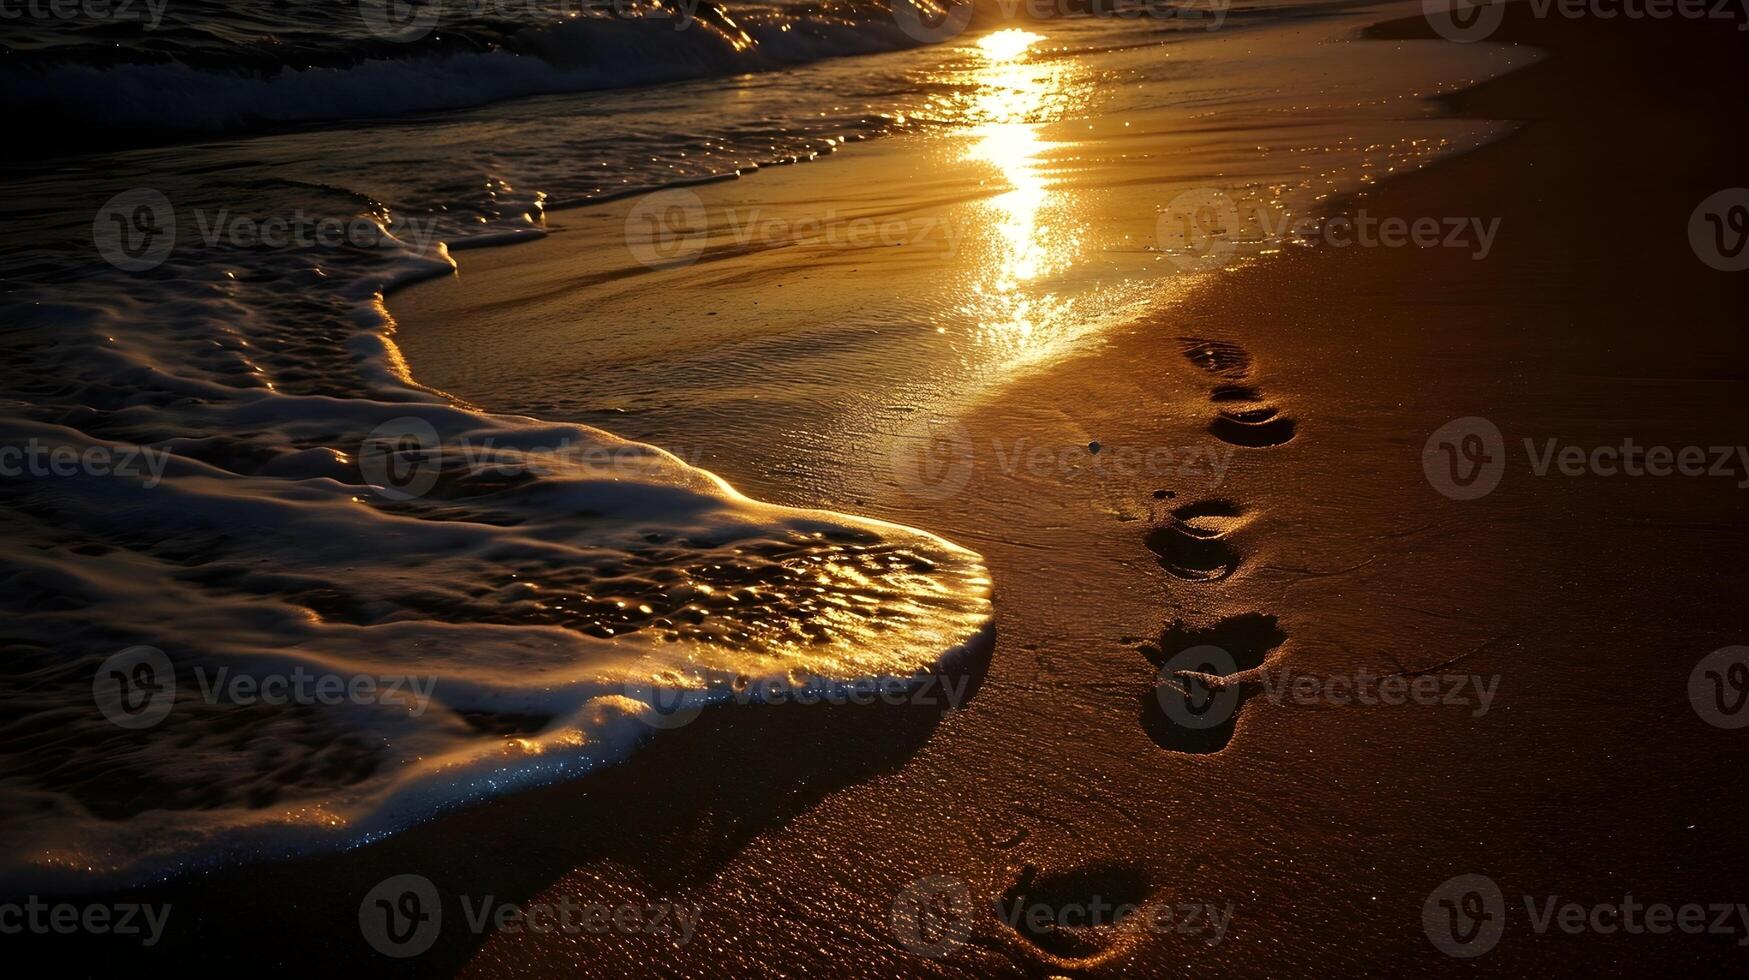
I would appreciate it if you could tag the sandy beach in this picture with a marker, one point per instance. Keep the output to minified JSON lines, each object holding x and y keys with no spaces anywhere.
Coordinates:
{"x":1257,"y":447}
{"x":1572,"y":601}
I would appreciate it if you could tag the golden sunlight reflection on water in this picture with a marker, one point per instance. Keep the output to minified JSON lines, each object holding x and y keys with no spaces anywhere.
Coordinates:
{"x":1018,"y":291}
{"x":1029,"y":232}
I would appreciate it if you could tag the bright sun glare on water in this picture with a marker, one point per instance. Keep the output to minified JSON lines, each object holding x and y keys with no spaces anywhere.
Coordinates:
{"x":1007,"y":45}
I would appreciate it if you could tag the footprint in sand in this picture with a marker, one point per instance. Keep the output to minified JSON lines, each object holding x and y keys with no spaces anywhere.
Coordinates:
{"x":1254,"y":427}
{"x":1196,"y":700}
{"x":1242,"y":417}
{"x":1218,"y":357}
{"x":1070,"y":913}
{"x":1194,"y":542}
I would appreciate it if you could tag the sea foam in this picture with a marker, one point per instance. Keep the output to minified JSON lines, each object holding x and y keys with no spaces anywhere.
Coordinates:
{"x":261,"y":498}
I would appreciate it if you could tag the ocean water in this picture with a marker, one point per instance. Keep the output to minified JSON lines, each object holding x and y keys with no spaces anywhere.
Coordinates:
{"x":266,"y":592}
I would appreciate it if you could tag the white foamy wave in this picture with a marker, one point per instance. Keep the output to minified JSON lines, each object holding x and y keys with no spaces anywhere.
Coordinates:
{"x":257,"y":493}
{"x":581,"y":55}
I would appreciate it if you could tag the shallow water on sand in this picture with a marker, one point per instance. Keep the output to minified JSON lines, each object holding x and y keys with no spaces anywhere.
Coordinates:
{"x":283,"y":501}
{"x":816,"y":332}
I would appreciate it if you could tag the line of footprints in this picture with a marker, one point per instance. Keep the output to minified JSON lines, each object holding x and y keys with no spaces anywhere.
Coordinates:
{"x":1195,"y":543}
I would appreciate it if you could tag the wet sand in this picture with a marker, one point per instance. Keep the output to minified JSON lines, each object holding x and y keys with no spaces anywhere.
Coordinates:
{"x":1324,"y":828}
{"x":1321,"y":828}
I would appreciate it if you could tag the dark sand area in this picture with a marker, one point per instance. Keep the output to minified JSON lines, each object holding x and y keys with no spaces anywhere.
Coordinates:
{"x":1322,"y":829}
